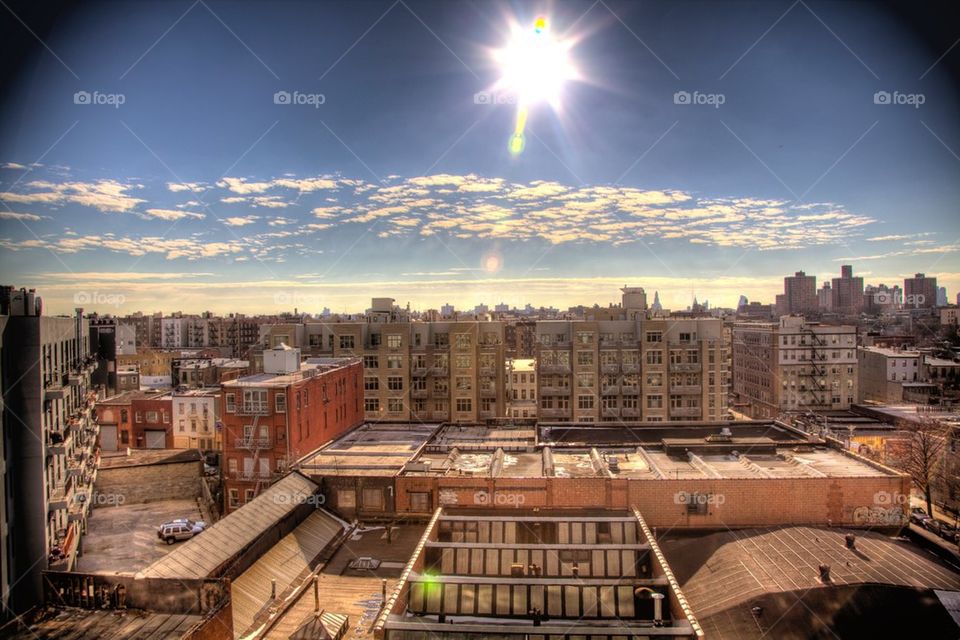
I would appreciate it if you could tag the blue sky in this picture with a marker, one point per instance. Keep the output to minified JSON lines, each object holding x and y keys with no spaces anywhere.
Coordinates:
{"x":200,"y":192}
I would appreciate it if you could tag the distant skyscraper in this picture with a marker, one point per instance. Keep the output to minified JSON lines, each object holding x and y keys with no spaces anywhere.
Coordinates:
{"x":800,"y":293}
{"x":656,"y":302}
{"x":942,"y":296}
{"x":825,"y":297}
{"x":446,"y":310}
{"x":919,"y":292}
{"x":847,"y":294}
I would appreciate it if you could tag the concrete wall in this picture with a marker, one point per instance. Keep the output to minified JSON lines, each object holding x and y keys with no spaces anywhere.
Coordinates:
{"x":158,"y":595}
{"x":151,"y":482}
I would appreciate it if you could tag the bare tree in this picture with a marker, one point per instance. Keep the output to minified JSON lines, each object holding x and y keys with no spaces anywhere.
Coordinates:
{"x":923,"y":455}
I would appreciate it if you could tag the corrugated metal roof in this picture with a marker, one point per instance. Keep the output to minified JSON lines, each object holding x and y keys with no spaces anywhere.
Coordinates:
{"x":285,"y":561}
{"x":951,"y":602}
{"x":200,"y":556}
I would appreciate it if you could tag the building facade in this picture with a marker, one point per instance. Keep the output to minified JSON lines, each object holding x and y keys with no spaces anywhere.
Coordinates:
{"x":920,"y":292}
{"x":847,"y":293}
{"x":521,"y":383}
{"x":793,"y":365}
{"x":195,"y":415}
{"x":664,"y":369}
{"x":271,"y":419}
{"x":883,"y":373}
{"x":800,"y":294}
{"x":49,"y":443}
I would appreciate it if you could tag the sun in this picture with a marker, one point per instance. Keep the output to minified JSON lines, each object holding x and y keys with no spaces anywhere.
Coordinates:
{"x":535,"y":65}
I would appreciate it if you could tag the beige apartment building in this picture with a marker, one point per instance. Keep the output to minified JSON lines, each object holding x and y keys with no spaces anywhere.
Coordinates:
{"x":447,"y":370}
{"x":793,"y":365}
{"x":657,"y":370}
{"x":521,"y":388}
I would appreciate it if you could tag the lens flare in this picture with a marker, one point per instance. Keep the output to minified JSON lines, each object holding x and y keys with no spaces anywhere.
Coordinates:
{"x":492,"y":263}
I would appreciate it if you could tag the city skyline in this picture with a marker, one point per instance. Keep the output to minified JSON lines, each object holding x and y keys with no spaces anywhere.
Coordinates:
{"x":202,"y":151}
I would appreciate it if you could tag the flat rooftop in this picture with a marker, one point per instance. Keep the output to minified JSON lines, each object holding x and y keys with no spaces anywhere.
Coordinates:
{"x":389,"y":450}
{"x":69,"y":622}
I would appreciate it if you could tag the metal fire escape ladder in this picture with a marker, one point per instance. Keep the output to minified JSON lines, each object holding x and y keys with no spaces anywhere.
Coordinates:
{"x":816,"y":369}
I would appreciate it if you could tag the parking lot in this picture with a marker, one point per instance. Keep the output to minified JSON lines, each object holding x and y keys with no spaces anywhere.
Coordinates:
{"x":123,"y":539}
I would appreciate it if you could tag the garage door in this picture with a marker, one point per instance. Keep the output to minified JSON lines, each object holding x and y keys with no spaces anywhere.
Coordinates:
{"x":108,"y":437}
{"x":156,"y":439}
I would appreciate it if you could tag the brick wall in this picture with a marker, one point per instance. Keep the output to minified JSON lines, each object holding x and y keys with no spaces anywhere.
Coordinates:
{"x":150,"y":482}
{"x":867,"y":501}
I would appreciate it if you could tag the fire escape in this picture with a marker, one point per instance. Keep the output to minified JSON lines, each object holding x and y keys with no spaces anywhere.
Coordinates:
{"x":816,"y":369}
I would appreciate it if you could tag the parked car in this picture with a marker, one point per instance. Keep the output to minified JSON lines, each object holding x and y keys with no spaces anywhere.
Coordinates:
{"x":180,"y":529}
{"x":948,"y":532}
{"x":918,"y":515}
{"x":933,"y":525}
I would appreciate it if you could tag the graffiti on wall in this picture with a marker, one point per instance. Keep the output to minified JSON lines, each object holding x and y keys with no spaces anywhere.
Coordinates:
{"x":893,"y":516}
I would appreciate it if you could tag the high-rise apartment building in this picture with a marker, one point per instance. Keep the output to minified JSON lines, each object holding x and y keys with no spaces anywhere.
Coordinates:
{"x":793,"y":365}
{"x":49,"y":443}
{"x":430,"y":371}
{"x":847,"y":292}
{"x":657,"y":370}
{"x":272,"y":419}
{"x":800,"y":294}
{"x":919,"y":292}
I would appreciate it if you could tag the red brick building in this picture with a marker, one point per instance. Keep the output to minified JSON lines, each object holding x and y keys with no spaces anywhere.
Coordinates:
{"x":272,"y":419}
{"x":136,"y":419}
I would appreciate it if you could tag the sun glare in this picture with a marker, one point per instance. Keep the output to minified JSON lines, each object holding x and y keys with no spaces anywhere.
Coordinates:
{"x":535,"y":65}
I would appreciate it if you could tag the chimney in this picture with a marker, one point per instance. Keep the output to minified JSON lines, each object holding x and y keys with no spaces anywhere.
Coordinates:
{"x":657,"y":609}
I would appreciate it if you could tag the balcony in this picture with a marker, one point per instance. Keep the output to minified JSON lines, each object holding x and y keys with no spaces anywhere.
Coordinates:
{"x":554,"y":413}
{"x":253,"y":409}
{"x":631,"y":412}
{"x":419,"y":393}
{"x":439,"y":371}
{"x":630,"y":389}
{"x":687,"y":389}
{"x":253,"y":443}
{"x":418,"y":371}
{"x":554,"y":368}
{"x":610,"y":368}
{"x":74,"y":379}
{"x":610,"y":413}
{"x":685,"y":367}
{"x":251,"y":476}
{"x":554,"y":391}
{"x":685,"y":412}
{"x":630,"y":367}
{"x":53,"y":389}
{"x":57,"y":443}
{"x":611,"y":389}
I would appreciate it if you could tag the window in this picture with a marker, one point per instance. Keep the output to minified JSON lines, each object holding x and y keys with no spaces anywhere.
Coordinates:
{"x":280,"y":400}
{"x":464,"y":405}
{"x":394,"y":362}
{"x":395,"y":383}
{"x":255,"y":401}
{"x":463,"y":340}
{"x":655,"y":379}
{"x":654,"y":336}
{"x":463,"y":362}
{"x":346,"y":498}
{"x":393,"y":341}
{"x":440,"y":385}
{"x":395,"y":405}
{"x":584,"y":337}
{"x":654,"y":402}
{"x":153,"y":417}
{"x":371,"y":383}
{"x":441,"y":340}
{"x":374,"y":340}
{"x":371,"y":362}
{"x":585,"y":402}
{"x":586,"y":380}
{"x":419,"y":501}
{"x":584,"y":357}
{"x":231,"y":402}
{"x":373,"y":499}
{"x":234,"y":498}
{"x":371,"y":405}
{"x":464,"y":383}
{"x":346,"y":342}
{"x":654,"y":357}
